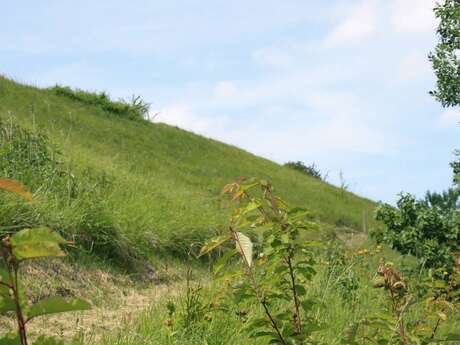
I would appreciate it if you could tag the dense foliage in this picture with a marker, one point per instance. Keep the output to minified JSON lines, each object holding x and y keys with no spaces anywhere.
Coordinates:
{"x":455,"y":165}
{"x":428,"y":229}
{"x":310,"y":170}
{"x":134,"y":109}
{"x":445,"y":58}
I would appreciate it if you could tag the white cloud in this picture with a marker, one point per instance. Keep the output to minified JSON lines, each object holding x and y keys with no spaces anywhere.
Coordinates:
{"x":181,"y":115}
{"x":324,"y":122}
{"x":413,"y":16}
{"x":360,"y":23}
{"x":204,"y":70}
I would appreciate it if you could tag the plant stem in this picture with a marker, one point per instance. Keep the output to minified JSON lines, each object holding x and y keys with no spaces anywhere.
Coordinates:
{"x":297,"y":320}
{"x":255,"y":286}
{"x":19,"y":315}
{"x":435,"y":329}
{"x":396,"y":309}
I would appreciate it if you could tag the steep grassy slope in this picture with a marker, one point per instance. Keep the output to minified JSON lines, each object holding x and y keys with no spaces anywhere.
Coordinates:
{"x":166,"y":181}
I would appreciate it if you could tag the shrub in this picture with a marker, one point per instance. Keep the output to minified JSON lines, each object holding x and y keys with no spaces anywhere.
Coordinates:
{"x":428,"y":229}
{"x":134,"y":109}
{"x":310,"y":170}
{"x":436,"y":302}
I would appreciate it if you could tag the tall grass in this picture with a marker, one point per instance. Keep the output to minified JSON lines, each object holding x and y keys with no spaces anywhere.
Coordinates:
{"x":74,"y":203}
{"x":338,"y":306}
{"x":134,"y":109}
{"x":165,"y":183}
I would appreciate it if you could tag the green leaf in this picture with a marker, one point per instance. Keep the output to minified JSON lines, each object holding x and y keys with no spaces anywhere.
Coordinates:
{"x":244,"y":247}
{"x":307,"y":305}
{"x":246,"y":187}
{"x":6,"y":302}
{"x":213,"y":244}
{"x":4,"y":279}
{"x":306,"y":272}
{"x":36,"y":243}
{"x":4,"y":276}
{"x":54,"y":305}
{"x":6,"y":305}
{"x":251,"y":206}
{"x":298,"y":213}
{"x":301,"y":291}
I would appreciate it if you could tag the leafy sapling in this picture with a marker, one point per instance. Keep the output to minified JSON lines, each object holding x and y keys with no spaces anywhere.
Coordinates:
{"x":276,"y":275}
{"x":15,"y":249}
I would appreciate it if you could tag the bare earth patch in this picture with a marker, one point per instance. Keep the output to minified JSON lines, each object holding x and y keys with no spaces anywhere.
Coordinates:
{"x":116,"y":300}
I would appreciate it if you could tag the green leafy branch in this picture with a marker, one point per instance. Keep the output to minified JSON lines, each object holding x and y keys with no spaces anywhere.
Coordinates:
{"x":277,"y":273}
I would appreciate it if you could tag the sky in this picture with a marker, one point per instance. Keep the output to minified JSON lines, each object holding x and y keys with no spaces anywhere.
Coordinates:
{"x":341,"y":83}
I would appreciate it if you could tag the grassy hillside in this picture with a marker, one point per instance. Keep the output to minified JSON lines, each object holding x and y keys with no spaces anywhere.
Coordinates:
{"x":165,"y":183}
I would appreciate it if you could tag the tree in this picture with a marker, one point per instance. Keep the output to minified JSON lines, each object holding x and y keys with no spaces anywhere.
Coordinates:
{"x":446,"y":58}
{"x":446,"y":62}
{"x":428,"y":229}
{"x":447,"y":200}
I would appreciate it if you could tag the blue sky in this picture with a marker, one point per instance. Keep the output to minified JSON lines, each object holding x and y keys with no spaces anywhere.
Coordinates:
{"x":343,"y":84}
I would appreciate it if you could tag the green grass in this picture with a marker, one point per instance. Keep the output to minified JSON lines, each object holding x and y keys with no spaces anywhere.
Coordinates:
{"x":337,"y":308}
{"x":125,"y":188}
{"x":342,"y":290}
{"x":166,"y":182}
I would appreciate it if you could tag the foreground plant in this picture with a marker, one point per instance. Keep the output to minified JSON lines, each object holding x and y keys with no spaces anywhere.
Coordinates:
{"x":436,"y":298}
{"x":276,"y":278}
{"x":15,"y":249}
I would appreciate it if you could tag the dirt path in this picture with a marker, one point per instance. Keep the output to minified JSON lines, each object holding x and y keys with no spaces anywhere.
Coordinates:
{"x":91,"y":325}
{"x":116,"y":301}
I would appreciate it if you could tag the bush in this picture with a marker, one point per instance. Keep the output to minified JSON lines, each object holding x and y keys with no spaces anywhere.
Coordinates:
{"x":428,"y":229}
{"x":310,"y":170}
{"x":134,"y":109}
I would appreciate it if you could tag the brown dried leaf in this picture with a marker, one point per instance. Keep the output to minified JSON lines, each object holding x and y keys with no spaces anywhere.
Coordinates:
{"x":15,"y":187}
